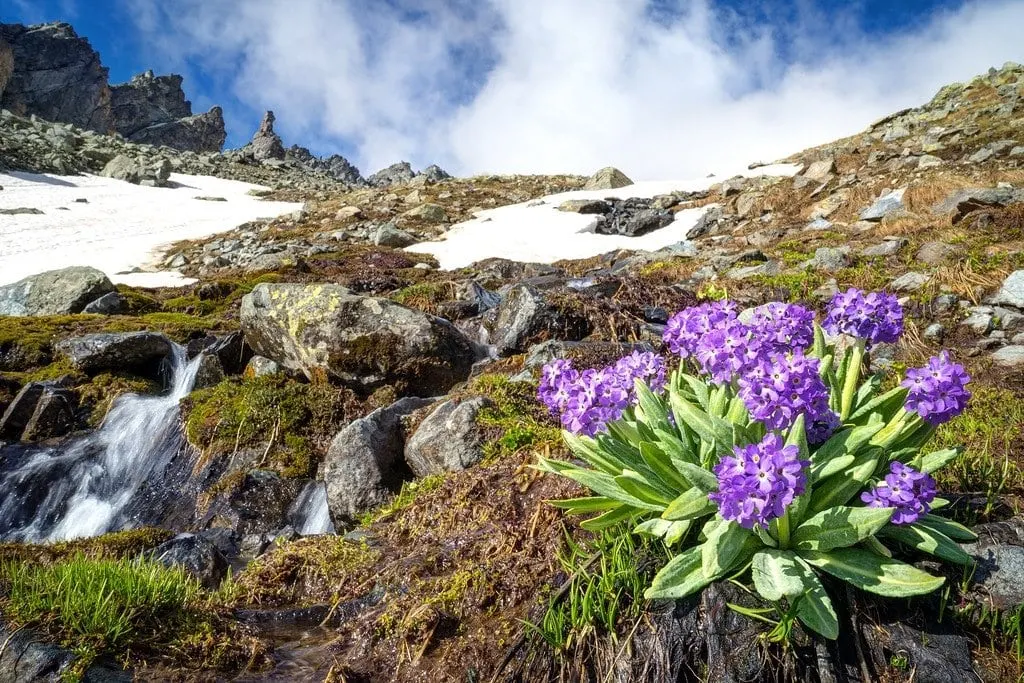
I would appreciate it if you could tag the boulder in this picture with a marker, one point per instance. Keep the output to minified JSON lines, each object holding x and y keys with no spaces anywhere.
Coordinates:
{"x":259,"y":366}
{"x":431,"y":213}
{"x":55,"y":292}
{"x":136,"y":351}
{"x":258,"y":505}
{"x":909,"y":282}
{"x":197,"y":556}
{"x":608,"y":178}
{"x":361,"y":467}
{"x":54,"y":414}
{"x":56,"y":76}
{"x":1011,"y":292}
{"x":266,"y":144}
{"x":364,"y":342}
{"x":585,"y":206}
{"x":110,"y":303}
{"x":388,"y":235}
{"x":963,"y":202}
{"x":524,"y":318}
{"x":821,"y":171}
{"x":1009,"y":356}
{"x":209,"y":373}
{"x":232,"y":352}
{"x":138,"y":171}
{"x":633,"y":217}
{"x":448,"y":440}
{"x":336,"y":166}
{"x":20,"y":411}
{"x":886,"y":205}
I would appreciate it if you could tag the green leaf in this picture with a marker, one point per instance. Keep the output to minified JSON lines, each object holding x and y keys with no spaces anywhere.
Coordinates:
{"x":682,"y":576}
{"x":845,"y":442}
{"x":873,"y":573}
{"x":776,"y":574}
{"x":815,"y":608}
{"x":825,"y":469}
{"x":580,"y":506}
{"x":711,"y":430}
{"x":604,"y":485}
{"x":723,"y":548}
{"x":635,"y":485}
{"x":610,"y":518}
{"x":690,"y":504}
{"x":818,"y":349}
{"x":699,"y":388}
{"x":625,"y":432}
{"x":677,"y":449}
{"x":698,"y":477}
{"x":719,"y":403}
{"x":671,"y":532}
{"x":840,"y":488}
{"x":938,"y":459}
{"x":887,"y":405}
{"x":928,"y":540}
{"x":957,"y":532}
{"x":587,"y":449}
{"x":798,"y":436}
{"x":661,"y":465}
{"x":840,"y":527}
{"x":653,"y":410}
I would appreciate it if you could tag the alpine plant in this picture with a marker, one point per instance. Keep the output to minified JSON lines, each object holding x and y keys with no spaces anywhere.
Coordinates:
{"x":767,"y":450}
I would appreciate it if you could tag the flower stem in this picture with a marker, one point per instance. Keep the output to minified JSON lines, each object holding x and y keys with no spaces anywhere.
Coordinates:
{"x":783,"y":528}
{"x":852,"y":377}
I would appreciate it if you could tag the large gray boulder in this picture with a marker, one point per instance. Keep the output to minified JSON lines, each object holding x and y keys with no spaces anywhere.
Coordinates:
{"x":336,"y":166}
{"x":138,"y":171}
{"x":55,"y":292}
{"x":1011,"y":293}
{"x":448,"y":440}
{"x":361,"y":341}
{"x":525,"y":318}
{"x":608,"y":178}
{"x":360,"y":469}
{"x":963,"y":202}
{"x":137,"y":351}
{"x":56,"y":76}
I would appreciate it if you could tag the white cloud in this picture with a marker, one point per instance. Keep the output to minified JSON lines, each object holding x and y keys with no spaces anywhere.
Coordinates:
{"x":569,"y":85}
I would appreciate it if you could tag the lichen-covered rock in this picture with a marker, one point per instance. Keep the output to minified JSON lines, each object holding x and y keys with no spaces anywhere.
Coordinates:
{"x":56,"y":76}
{"x":360,"y":469}
{"x":137,"y":351}
{"x":55,"y":292}
{"x":448,"y":440}
{"x":363,"y":342}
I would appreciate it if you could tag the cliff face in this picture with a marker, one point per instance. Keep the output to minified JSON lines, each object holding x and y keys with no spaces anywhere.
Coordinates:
{"x":56,"y":75}
{"x":51,"y":72}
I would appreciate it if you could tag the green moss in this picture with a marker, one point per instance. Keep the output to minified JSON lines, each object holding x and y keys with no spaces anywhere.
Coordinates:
{"x":299,"y":418}
{"x":425,"y":296}
{"x":407,"y":496}
{"x":138,"y":302}
{"x":100,"y":392}
{"x":190,"y":305}
{"x":515,"y":418}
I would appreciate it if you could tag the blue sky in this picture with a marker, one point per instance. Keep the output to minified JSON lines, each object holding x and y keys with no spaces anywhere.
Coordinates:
{"x":661,"y":87}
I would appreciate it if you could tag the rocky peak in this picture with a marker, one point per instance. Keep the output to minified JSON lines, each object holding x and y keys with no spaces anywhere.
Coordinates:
{"x":56,"y":75}
{"x":153,"y":110}
{"x":266,"y":144}
{"x":335,"y":165}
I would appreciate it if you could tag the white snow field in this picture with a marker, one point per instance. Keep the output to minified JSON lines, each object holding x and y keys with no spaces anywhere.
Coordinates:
{"x":121,"y":227}
{"x":537,"y":232}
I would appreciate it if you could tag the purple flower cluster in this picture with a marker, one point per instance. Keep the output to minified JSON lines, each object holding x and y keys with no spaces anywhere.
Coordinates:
{"x":587,"y":401}
{"x":875,"y":317}
{"x":758,"y":482}
{"x":686,"y":328}
{"x":784,"y":386}
{"x":904,"y":488}
{"x":783,"y":327}
{"x":728,"y":351}
{"x":937,"y":392}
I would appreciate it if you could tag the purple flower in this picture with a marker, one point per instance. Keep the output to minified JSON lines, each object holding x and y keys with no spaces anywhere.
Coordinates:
{"x":728,"y":351}
{"x":875,"y":317}
{"x":783,"y":386}
{"x":783,"y":327}
{"x":686,"y":328}
{"x":587,"y":401}
{"x":904,"y":488}
{"x":937,"y":392}
{"x":759,"y":481}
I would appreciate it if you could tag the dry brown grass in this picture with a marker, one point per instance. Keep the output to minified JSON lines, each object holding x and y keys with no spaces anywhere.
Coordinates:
{"x":926,"y":193}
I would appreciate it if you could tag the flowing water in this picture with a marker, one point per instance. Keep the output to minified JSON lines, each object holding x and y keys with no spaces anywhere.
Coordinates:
{"x":309,"y":513}
{"x":110,"y":479}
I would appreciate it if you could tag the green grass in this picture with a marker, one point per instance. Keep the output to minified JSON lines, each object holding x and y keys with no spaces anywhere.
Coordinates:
{"x":516,"y":419}
{"x":989,"y":431}
{"x":99,"y":606}
{"x":406,"y":496}
{"x":606,"y":585}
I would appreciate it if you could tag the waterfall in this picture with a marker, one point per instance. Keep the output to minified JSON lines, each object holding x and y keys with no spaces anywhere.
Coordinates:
{"x":309,"y":514}
{"x":93,"y":484}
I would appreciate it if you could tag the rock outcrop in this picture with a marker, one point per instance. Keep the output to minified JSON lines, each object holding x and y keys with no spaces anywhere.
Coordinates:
{"x":57,"y":76}
{"x":138,"y":351}
{"x":6,"y":66}
{"x":336,"y":166}
{"x":153,"y":110}
{"x":361,"y":341}
{"x":265,"y":144}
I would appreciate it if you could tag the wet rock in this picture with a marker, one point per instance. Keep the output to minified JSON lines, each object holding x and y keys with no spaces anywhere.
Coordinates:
{"x":608,"y":178}
{"x":232,"y":352}
{"x":55,"y":292}
{"x":133,"y":351}
{"x":525,"y":317}
{"x":20,"y":411}
{"x":197,"y":556}
{"x":210,"y":373}
{"x":24,"y":659}
{"x":362,"y":341}
{"x":361,"y":469}
{"x":448,"y":440}
{"x":108,"y":304}
{"x":258,"y":505}
{"x":886,"y":205}
{"x":54,"y":414}
{"x":1011,"y":292}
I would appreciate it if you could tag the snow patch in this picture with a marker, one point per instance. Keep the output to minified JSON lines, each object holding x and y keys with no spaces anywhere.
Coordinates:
{"x":121,"y":227}
{"x":537,"y":232}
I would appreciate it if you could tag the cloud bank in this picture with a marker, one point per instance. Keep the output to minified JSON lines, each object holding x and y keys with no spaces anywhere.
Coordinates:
{"x":659,"y":88}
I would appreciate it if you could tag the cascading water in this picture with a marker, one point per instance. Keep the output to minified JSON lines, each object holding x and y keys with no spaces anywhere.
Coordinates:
{"x":92,"y":484}
{"x":309,"y":513}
